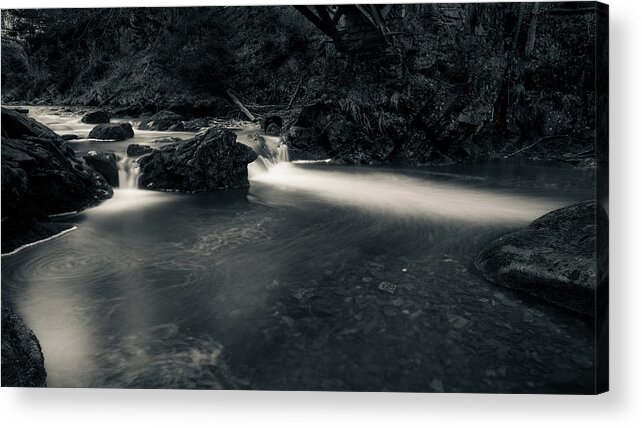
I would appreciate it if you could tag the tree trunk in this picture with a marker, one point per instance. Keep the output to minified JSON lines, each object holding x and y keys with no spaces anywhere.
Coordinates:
{"x":532,"y":28}
{"x":520,"y":19}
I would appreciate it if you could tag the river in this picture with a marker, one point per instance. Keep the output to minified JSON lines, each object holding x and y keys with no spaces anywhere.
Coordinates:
{"x":317,"y":277}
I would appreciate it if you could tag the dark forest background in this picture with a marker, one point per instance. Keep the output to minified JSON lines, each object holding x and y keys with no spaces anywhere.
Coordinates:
{"x":456,"y":81}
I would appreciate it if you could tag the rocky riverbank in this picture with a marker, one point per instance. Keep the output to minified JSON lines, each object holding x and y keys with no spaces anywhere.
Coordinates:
{"x":41,"y":177}
{"x":23,"y":364}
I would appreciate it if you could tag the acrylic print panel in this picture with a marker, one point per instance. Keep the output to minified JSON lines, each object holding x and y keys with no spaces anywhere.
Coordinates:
{"x":337,"y":198}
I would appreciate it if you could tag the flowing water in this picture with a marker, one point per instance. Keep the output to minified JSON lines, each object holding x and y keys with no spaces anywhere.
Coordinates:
{"x":316,"y":277}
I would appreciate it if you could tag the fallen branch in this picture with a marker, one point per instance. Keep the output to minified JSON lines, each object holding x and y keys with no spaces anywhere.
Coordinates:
{"x":296,"y":91}
{"x":548,"y":137}
{"x":240,"y":105}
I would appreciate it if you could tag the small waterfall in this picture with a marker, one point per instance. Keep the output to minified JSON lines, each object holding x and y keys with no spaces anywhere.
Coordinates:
{"x":128,"y":172}
{"x":272,"y":152}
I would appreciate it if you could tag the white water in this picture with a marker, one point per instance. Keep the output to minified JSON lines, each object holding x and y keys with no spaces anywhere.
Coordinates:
{"x":396,"y":194}
{"x":392,"y":193}
{"x":272,"y":152}
{"x":128,"y":173}
{"x":387,"y":192}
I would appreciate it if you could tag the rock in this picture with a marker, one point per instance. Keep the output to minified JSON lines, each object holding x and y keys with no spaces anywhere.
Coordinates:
{"x":23,"y":364}
{"x":112,"y":131}
{"x":554,"y":258}
{"x":138,"y":150}
{"x":106,"y":164}
{"x":41,"y":176}
{"x":165,"y":140}
{"x":322,"y":131}
{"x":161,"y":121}
{"x":68,"y":137}
{"x":272,"y":125}
{"x":193,"y":125}
{"x":16,"y":125}
{"x":303,"y":144}
{"x":305,"y":138}
{"x":21,"y":110}
{"x":457,"y":321}
{"x":211,"y":161}
{"x":387,"y":287}
{"x":95,"y":117}
{"x":274,"y":130}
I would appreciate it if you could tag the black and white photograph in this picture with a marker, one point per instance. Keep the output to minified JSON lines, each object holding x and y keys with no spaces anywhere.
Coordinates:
{"x":352,"y":197}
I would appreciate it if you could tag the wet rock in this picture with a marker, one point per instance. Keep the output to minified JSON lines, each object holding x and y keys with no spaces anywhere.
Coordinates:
{"x":96,"y":117}
{"x":40,"y":173}
{"x":41,"y":176}
{"x":413,"y":316}
{"x":23,"y":364}
{"x":211,"y":161}
{"x":387,"y":287}
{"x":274,"y":130}
{"x":106,"y":164}
{"x":553,"y":258}
{"x":271,"y":120}
{"x":397,"y":302}
{"x":161,"y":121}
{"x":166,"y":140}
{"x":458,"y":321}
{"x":21,"y":110}
{"x":192,"y":125}
{"x":16,"y":125}
{"x":138,"y":150}
{"x":68,"y":137}
{"x":112,"y":131}
{"x":323,"y":131}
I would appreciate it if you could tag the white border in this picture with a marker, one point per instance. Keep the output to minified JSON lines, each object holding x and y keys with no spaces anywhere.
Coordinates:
{"x":619,"y":408}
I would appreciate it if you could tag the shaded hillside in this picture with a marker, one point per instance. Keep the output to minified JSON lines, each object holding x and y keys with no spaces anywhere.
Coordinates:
{"x":452,"y":82}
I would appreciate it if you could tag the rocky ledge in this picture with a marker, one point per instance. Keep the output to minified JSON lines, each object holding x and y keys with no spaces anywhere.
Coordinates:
{"x":321,"y":131}
{"x":554,"y":258}
{"x":41,"y":176}
{"x":210,"y":161}
{"x":22,"y":361}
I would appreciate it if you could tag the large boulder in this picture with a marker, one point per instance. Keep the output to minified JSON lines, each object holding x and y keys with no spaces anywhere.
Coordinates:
{"x":161,"y":121}
{"x":105,"y":163}
{"x":138,"y":150}
{"x":305,"y":138}
{"x":96,"y":117}
{"x":16,"y":125}
{"x":554,"y":258}
{"x":112,"y":131}
{"x":211,"y":161}
{"x":23,"y":364}
{"x":322,"y":131}
{"x":41,"y":176}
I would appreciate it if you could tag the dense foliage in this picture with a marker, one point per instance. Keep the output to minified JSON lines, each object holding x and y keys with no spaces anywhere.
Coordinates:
{"x":149,"y":56}
{"x":456,"y":80}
